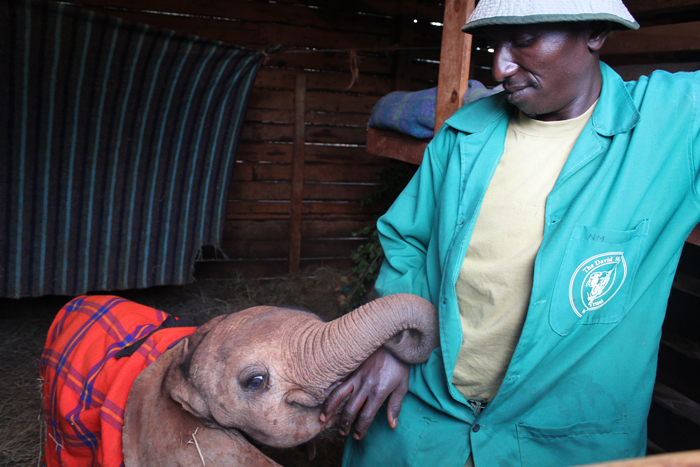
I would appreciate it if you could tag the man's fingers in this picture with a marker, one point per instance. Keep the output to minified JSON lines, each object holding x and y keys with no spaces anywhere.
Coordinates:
{"x":335,"y":398}
{"x":350,"y":411}
{"x":369,"y":410}
{"x":394,"y":406}
{"x":375,"y":380}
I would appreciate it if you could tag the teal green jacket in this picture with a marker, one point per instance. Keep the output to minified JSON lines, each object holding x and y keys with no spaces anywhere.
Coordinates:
{"x":579,"y":385}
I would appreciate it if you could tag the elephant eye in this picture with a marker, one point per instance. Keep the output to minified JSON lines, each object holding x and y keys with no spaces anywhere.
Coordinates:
{"x":254,"y":378}
{"x":256,"y":382}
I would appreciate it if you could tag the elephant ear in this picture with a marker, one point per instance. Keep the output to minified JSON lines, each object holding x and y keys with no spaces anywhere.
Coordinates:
{"x":148,"y":409}
{"x":180,"y":388}
{"x":178,"y":381}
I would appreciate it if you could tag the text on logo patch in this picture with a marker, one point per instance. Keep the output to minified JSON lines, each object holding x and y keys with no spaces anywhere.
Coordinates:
{"x":596,"y":281}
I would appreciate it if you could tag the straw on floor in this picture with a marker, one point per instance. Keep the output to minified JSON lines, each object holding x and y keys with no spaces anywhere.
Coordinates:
{"x":25,"y":322}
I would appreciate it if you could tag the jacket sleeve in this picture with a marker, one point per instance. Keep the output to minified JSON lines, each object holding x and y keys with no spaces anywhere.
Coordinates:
{"x":694,"y":137}
{"x":407,"y":228}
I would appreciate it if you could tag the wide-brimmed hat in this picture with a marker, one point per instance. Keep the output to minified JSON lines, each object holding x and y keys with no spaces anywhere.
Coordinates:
{"x":511,"y":12}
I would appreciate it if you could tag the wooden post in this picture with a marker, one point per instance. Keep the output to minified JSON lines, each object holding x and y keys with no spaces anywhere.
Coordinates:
{"x":297,"y":172}
{"x":402,"y":81}
{"x":455,"y":56}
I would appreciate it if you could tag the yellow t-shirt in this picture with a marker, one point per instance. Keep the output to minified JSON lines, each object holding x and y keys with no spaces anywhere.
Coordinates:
{"x":494,"y":284}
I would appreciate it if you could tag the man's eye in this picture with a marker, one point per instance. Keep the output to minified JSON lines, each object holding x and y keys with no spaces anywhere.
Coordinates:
{"x":522,"y":42}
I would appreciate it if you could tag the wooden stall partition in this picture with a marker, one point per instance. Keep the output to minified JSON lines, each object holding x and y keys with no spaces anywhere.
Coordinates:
{"x":453,"y":80}
{"x":683,"y":459}
{"x":351,"y":54}
{"x":285,"y":211}
{"x":669,"y":40}
{"x":338,"y":173}
{"x":297,"y":172}
{"x":455,"y":57}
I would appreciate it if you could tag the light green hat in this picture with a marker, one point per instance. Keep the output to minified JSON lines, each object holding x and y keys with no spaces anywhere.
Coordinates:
{"x":511,"y":12}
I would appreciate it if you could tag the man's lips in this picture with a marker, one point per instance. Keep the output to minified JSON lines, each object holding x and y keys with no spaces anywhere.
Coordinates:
{"x":515,"y":92}
{"x":513,"y":88}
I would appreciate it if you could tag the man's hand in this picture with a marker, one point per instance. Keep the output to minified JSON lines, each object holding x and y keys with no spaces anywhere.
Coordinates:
{"x":380,"y":376}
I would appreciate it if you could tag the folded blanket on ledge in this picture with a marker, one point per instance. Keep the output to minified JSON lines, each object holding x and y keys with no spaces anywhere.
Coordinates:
{"x":413,"y":113}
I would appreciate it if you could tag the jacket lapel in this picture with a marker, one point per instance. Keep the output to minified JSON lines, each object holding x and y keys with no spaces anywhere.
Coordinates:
{"x":615,"y":113}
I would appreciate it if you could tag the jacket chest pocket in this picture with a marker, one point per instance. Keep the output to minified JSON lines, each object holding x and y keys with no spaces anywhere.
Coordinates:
{"x":595,"y":278}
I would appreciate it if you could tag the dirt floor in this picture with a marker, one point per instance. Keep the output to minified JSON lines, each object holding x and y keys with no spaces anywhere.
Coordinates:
{"x":24,"y":324}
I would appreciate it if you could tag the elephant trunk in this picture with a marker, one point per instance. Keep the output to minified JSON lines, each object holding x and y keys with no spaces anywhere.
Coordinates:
{"x":407,"y":325}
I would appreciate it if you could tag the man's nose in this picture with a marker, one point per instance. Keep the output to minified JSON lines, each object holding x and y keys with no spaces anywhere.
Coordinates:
{"x":503,"y":64}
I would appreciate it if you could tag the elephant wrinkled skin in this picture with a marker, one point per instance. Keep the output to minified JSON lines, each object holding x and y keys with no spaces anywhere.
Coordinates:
{"x":265,"y":372}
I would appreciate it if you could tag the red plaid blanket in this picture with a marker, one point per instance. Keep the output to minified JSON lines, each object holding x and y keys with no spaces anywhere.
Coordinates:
{"x":85,"y":386}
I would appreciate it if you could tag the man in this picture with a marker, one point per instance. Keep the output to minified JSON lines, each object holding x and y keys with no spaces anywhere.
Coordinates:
{"x":545,"y":223}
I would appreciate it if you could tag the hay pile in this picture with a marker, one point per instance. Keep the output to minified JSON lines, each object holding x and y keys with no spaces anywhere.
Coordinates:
{"x":24,"y":324}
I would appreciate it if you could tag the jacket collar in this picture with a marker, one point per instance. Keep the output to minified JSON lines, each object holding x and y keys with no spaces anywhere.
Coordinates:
{"x":614,"y":114}
{"x":479,"y":114}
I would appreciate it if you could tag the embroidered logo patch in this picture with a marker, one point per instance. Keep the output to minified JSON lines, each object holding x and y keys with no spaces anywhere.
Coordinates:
{"x":596,"y":281}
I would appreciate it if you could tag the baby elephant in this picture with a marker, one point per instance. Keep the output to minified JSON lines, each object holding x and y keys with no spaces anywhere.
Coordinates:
{"x":124,"y":383}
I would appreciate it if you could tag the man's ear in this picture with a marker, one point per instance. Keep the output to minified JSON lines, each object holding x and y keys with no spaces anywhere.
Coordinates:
{"x":179,"y":386}
{"x":599,"y":31}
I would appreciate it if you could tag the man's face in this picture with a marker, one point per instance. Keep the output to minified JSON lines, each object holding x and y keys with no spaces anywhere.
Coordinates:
{"x":548,"y":70}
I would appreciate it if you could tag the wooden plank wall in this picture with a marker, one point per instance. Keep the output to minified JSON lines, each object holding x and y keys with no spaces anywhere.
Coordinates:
{"x":263,"y":229}
{"x":669,"y":39}
{"x":319,"y":38}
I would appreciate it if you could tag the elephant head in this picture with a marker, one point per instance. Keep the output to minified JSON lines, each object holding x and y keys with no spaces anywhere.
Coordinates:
{"x":263,"y":372}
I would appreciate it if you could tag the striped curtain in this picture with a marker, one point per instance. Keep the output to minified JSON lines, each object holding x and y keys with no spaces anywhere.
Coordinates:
{"x":117,"y":144}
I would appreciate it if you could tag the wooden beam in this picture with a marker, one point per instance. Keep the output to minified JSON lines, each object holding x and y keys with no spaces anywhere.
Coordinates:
{"x":687,"y":283}
{"x":694,"y":236}
{"x":679,"y":459}
{"x":402,"y":80}
{"x":653,"y":448}
{"x":395,"y":145}
{"x":652,"y":9}
{"x":280,"y":12}
{"x":297,"y":172}
{"x":666,"y":38}
{"x":264,"y":268}
{"x":454,"y":59}
{"x":681,"y":344}
{"x":676,"y":403}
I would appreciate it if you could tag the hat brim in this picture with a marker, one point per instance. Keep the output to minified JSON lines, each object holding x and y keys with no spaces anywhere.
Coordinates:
{"x":534,"y":19}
